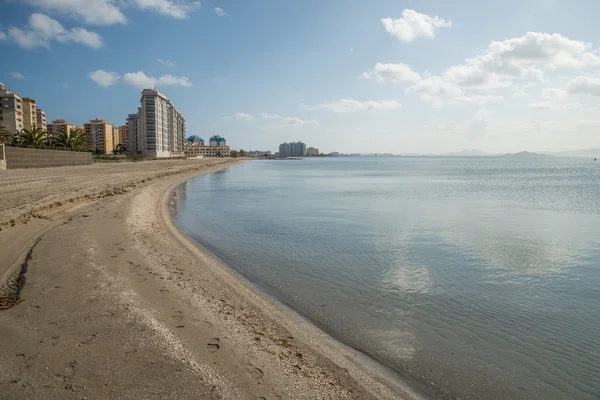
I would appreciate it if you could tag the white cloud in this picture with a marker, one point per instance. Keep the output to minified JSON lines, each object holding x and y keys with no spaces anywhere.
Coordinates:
{"x":553,"y":94}
{"x":103,"y":78}
{"x":109,"y":12}
{"x":166,"y":63}
{"x":413,"y":25}
{"x":142,"y":81}
{"x":584,"y":85}
{"x":17,"y":75}
{"x":94,"y":12}
{"x":548,"y":105}
{"x":240,"y":116}
{"x":480,"y":100}
{"x":139,"y":80}
{"x":3,"y":36}
{"x":435,"y":90}
{"x":287,"y":121}
{"x":392,"y":73}
{"x":42,"y":30}
{"x":219,"y":11}
{"x":352,"y":106}
{"x":170,"y":8}
{"x":170,"y":80}
{"x":528,"y":56}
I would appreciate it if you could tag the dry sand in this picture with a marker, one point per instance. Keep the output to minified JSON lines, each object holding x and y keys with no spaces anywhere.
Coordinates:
{"x":118,"y":304}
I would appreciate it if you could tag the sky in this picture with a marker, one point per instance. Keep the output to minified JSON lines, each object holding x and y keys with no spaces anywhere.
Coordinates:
{"x":426,"y":76}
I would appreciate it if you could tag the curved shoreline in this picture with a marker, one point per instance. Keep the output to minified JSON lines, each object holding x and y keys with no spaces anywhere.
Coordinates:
{"x":366,"y":371}
{"x":120,"y":304}
{"x":362,"y":367}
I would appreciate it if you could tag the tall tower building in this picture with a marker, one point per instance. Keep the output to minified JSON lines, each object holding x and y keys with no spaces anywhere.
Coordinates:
{"x":157,"y":130}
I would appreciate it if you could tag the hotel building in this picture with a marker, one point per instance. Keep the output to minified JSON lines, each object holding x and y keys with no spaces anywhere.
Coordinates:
{"x":217,"y":141}
{"x":194,"y":150}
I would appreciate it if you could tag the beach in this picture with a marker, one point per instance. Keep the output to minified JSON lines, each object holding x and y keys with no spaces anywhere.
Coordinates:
{"x":112,"y":301}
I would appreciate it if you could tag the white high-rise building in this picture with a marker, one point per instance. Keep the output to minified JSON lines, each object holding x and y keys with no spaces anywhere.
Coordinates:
{"x":157,"y":130}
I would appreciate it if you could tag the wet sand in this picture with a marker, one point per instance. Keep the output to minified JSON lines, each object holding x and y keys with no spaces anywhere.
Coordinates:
{"x":118,"y":304}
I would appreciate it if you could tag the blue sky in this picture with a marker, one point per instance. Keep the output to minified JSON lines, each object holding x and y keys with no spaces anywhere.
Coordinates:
{"x":350,"y":76}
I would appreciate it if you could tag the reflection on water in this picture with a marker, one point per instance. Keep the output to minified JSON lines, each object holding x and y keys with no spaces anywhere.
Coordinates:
{"x":471,"y":277}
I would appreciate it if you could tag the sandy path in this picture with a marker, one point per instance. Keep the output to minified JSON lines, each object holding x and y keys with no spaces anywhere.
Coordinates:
{"x":118,"y":304}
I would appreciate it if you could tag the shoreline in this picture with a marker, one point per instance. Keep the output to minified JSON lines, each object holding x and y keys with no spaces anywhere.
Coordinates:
{"x":360,"y":365}
{"x":337,"y":344}
{"x":120,"y":304}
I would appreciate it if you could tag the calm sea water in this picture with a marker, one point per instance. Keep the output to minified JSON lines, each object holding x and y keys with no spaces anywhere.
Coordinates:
{"x":470,"y":277}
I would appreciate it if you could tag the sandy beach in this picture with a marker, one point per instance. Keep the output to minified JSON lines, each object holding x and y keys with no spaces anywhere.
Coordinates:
{"x":105,"y":299}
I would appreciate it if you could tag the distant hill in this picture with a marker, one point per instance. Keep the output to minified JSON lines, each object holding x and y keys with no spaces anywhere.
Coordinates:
{"x":525,"y":154}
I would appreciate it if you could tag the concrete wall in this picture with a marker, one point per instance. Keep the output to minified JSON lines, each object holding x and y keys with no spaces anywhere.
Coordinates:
{"x":19,"y":157}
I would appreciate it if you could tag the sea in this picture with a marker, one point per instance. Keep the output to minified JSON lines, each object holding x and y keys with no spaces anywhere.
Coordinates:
{"x":470,"y":278}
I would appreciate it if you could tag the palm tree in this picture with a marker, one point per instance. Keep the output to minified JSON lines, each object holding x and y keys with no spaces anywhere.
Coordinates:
{"x":74,"y":139}
{"x":32,"y":137}
{"x":5,"y":135}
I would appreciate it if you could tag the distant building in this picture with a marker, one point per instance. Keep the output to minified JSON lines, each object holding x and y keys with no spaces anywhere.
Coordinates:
{"x":11,"y":110}
{"x":157,"y":130}
{"x":40,"y":115}
{"x":100,"y":136}
{"x":259,"y":153}
{"x":217,"y":141}
{"x":294,"y":149}
{"x":312,"y":151}
{"x":29,"y":113}
{"x":59,"y":126}
{"x":195,"y":150}
{"x":195,"y":139}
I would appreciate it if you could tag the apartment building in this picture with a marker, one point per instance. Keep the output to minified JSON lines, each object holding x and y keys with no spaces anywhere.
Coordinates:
{"x":194,"y":150}
{"x":40,"y":116}
{"x":312,"y":151}
{"x":134,"y":139}
{"x":157,"y":130}
{"x":11,"y":110}
{"x":177,"y":132}
{"x":292,"y":149}
{"x":124,"y":135}
{"x":59,"y":126}
{"x":100,"y":136}
{"x":29,"y":113}
{"x":116,"y":139}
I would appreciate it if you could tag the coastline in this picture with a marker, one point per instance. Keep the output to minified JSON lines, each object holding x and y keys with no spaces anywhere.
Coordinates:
{"x":120,"y":304}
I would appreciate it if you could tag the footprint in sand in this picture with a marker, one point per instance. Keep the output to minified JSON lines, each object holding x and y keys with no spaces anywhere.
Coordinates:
{"x":213,"y":345}
{"x":254,"y":372}
{"x":177,"y":317}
